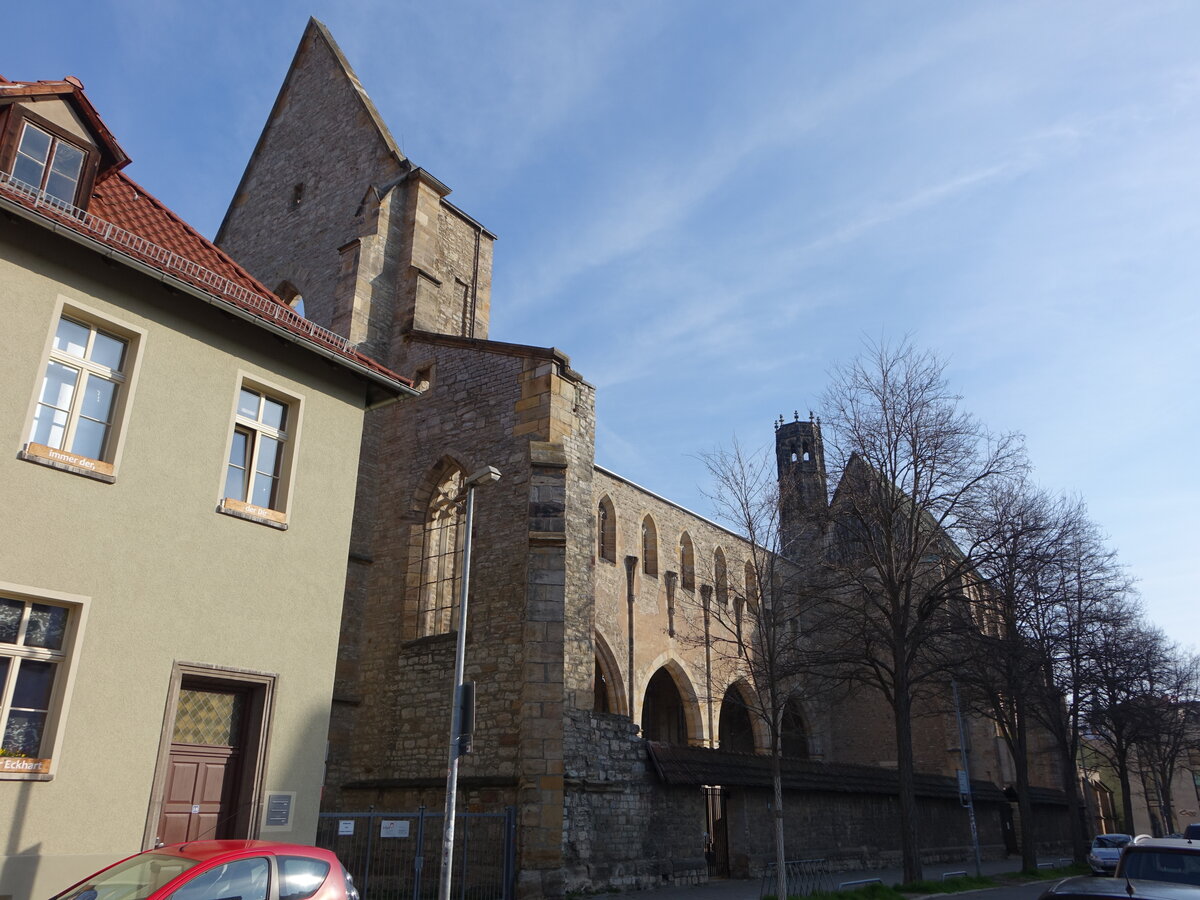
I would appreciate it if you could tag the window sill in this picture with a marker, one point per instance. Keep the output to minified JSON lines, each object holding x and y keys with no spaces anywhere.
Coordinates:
{"x":21,"y":768}
{"x":272,"y":518}
{"x":68,"y":462}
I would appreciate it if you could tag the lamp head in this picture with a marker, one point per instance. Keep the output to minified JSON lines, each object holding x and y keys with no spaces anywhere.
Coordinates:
{"x":486,"y":475}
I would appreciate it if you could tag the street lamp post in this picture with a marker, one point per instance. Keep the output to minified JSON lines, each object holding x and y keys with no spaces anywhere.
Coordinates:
{"x":486,"y":475}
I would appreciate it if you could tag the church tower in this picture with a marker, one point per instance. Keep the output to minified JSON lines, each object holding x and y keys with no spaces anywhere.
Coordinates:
{"x":800,"y":464}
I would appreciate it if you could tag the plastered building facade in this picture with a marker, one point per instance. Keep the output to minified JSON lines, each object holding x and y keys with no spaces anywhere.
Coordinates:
{"x":586,"y":632}
{"x":168,"y":620}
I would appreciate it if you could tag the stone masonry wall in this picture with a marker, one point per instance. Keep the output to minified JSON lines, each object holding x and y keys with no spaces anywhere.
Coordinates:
{"x":654,"y":619}
{"x":851,"y":830}
{"x":622,"y":828}
{"x":265,"y":229}
{"x":393,"y":691}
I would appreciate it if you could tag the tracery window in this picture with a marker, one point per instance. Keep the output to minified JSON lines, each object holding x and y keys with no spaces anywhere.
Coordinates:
{"x":441,"y":557}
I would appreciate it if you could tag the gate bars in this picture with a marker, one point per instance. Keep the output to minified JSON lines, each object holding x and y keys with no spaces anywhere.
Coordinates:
{"x":388,"y":854}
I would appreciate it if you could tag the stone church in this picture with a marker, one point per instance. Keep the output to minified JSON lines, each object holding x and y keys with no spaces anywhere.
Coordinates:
{"x":600,"y":716}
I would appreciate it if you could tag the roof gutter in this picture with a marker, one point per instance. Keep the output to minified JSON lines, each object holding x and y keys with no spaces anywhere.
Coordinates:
{"x":394,"y":389}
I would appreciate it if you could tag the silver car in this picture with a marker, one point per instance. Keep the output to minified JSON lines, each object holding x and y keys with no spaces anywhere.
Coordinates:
{"x":1106,"y":851}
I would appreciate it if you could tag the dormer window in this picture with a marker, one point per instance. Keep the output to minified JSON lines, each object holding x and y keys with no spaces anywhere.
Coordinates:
{"x":48,"y":163}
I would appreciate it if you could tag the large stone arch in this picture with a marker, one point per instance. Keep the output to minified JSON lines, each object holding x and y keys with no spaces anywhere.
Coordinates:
{"x":737,"y":706}
{"x":613,"y":684}
{"x":796,"y":734}
{"x":693,"y":721}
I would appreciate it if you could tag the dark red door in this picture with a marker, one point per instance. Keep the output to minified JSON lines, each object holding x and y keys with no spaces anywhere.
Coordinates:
{"x":198,"y":795}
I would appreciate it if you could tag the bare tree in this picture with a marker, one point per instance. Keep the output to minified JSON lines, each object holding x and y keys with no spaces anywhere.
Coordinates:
{"x":1123,"y":655}
{"x":913,"y":468}
{"x":1171,"y":715}
{"x":1018,"y":533}
{"x":1073,"y":597}
{"x":751,"y":625}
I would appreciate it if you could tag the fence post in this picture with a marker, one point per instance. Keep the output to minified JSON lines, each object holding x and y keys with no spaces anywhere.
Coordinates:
{"x":466,"y":846}
{"x":419,"y":859}
{"x":367,"y":861}
{"x":510,"y":852}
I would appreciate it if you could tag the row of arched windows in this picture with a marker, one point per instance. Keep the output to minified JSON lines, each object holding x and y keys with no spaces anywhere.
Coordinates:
{"x":606,"y":549}
{"x":664,"y":715}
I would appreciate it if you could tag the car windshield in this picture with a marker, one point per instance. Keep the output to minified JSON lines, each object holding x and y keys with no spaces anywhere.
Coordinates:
{"x":135,"y":879}
{"x":1111,"y":841}
{"x":1177,"y":866}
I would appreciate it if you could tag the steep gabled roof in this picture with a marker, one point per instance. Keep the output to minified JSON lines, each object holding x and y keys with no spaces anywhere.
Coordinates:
{"x":128,"y":224}
{"x":317,"y":35}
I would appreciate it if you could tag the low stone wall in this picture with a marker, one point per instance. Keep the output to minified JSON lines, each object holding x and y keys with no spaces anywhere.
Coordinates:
{"x":851,"y":830}
{"x":622,"y":828}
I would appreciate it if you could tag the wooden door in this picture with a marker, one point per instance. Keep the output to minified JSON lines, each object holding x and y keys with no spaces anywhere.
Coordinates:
{"x":197,"y":795}
{"x":200,"y":794}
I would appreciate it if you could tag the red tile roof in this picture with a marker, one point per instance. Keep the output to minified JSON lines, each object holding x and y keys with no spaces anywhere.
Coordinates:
{"x":123,"y":202}
{"x":124,"y":217}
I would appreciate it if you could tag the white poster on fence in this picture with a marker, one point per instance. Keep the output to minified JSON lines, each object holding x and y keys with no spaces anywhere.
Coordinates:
{"x":393,"y":828}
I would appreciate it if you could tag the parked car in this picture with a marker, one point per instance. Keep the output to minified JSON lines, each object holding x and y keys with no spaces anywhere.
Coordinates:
{"x":1191,"y":832}
{"x":1106,"y":850}
{"x":220,"y":870}
{"x":1149,"y":869}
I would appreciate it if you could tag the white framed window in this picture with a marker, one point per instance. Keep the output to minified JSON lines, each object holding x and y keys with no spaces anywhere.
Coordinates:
{"x":46,"y":162}
{"x":81,"y":398}
{"x":38,"y":637}
{"x":260,"y":453}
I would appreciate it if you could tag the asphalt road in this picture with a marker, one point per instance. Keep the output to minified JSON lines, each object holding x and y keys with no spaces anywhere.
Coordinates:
{"x":1015,"y":892}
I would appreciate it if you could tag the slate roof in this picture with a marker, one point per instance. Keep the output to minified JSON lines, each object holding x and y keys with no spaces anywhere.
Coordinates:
{"x":123,"y":217}
{"x":701,"y":765}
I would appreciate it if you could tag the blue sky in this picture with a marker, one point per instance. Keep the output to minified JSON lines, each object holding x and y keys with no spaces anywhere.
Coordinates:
{"x":707,"y":205}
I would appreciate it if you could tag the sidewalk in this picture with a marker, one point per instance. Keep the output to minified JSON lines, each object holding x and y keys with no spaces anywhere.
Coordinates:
{"x":747,"y":889}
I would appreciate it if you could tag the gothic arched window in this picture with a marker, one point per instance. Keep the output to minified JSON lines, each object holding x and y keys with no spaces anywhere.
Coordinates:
{"x":649,"y":547}
{"x":721,"y":577}
{"x":606,"y":531}
{"x":687,"y":562}
{"x":441,"y":557}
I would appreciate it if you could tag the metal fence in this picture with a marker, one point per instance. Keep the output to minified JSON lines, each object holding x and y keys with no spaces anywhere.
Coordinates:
{"x":398,"y":856}
{"x":803,"y":876}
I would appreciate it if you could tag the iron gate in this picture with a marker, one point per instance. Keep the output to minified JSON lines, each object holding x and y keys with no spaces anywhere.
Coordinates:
{"x":398,"y":856}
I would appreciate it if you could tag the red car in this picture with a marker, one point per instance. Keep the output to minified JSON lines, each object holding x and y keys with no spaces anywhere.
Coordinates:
{"x":220,"y":870}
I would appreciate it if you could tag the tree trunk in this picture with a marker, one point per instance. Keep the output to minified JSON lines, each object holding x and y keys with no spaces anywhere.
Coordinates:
{"x":1126,"y":793}
{"x":781,"y":879}
{"x":1079,"y":833}
{"x":1164,"y":801}
{"x":1024,"y":804}
{"x":910,"y":849}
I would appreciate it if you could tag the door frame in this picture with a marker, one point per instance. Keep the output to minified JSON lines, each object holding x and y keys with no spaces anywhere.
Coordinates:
{"x":259,"y":688}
